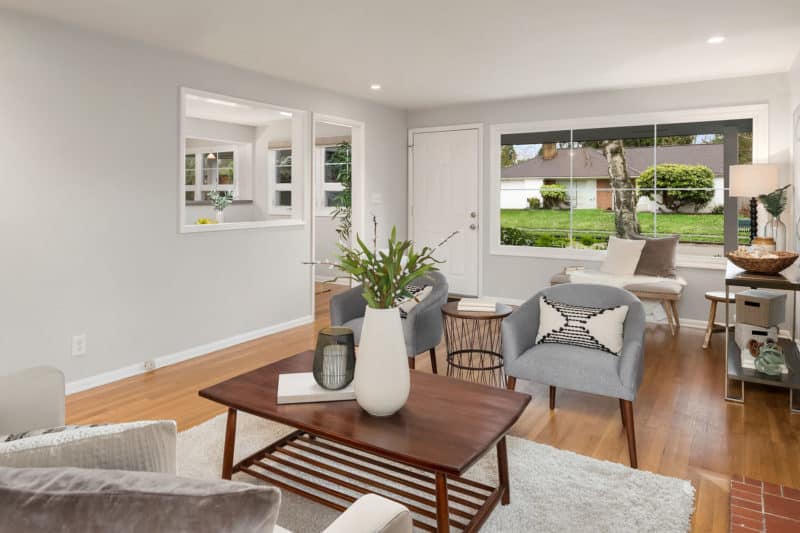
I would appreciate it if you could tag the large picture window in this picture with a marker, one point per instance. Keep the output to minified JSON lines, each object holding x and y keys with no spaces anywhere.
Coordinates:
{"x":573,"y":188}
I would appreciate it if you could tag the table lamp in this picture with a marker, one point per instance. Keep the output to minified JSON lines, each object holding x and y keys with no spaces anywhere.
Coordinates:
{"x":751,"y":181}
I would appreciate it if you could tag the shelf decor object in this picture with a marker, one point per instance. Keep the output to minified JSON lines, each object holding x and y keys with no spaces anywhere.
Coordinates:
{"x":751,"y":181}
{"x":775,"y":203}
{"x":740,"y":367}
{"x":770,"y":263}
{"x":334,"y":358}
{"x":770,"y":360}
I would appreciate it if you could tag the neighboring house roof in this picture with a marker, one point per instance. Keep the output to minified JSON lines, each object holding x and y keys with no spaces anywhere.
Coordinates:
{"x":590,"y":162}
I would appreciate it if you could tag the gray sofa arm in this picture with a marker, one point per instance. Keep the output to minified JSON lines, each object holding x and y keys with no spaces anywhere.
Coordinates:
{"x":372,"y":514}
{"x":519,"y":330}
{"x":31,"y":399}
{"x":347,"y":305}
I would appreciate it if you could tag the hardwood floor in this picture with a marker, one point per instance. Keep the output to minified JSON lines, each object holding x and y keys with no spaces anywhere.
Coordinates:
{"x":683,"y":426}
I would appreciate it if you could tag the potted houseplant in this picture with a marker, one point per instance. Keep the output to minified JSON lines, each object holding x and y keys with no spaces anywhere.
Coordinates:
{"x":220,"y":200}
{"x":775,"y":203}
{"x":381,"y":375}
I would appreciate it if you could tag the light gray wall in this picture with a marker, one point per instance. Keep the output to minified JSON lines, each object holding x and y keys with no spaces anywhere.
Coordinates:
{"x":520,"y":277}
{"x":89,"y":240}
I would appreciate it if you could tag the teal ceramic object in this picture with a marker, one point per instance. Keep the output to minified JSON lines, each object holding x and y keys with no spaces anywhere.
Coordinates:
{"x":770,"y":360}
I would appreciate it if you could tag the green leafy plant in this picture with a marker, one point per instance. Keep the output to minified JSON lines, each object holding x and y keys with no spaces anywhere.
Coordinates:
{"x":678,"y":185}
{"x":534,"y":203}
{"x":385,"y":274}
{"x":344,"y":200}
{"x":221,"y":199}
{"x":775,"y":202}
{"x":553,"y":195}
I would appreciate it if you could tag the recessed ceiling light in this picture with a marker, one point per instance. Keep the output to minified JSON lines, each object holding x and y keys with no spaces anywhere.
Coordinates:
{"x":375,"y":86}
{"x":716,"y":39}
{"x":285,"y":113}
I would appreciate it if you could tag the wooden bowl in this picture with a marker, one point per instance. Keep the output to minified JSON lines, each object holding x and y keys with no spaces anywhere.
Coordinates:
{"x":764,"y":265}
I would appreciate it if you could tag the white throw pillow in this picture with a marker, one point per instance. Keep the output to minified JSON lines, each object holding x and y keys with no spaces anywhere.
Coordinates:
{"x":622,"y":256}
{"x":146,"y":445}
{"x":588,"y":327}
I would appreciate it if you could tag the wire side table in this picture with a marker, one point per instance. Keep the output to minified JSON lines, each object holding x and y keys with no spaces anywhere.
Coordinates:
{"x":474,"y":344}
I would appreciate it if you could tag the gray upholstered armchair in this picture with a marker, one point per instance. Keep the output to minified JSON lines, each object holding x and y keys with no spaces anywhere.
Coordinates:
{"x":574,"y":367}
{"x":422,"y":327}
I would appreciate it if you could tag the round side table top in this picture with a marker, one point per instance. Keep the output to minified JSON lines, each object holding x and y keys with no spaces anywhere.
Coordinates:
{"x":719,"y":296}
{"x":501,"y":311}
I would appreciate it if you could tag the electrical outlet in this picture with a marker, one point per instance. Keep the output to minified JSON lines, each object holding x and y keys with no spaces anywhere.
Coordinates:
{"x":79,"y":345}
{"x":149,"y":365}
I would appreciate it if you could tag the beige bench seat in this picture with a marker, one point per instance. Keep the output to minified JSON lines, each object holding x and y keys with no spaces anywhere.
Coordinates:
{"x":666,"y":291}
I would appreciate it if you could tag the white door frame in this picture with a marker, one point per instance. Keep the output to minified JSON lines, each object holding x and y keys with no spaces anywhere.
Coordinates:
{"x":479,"y":221}
{"x":358,"y":166}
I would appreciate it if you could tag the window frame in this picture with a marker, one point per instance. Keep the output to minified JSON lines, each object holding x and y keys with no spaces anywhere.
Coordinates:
{"x":199,"y":168}
{"x":758,"y":113}
{"x":321,"y":186}
{"x":273,"y":186}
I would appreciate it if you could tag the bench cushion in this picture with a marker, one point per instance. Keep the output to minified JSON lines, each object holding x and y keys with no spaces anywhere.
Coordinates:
{"x":666,"y":286}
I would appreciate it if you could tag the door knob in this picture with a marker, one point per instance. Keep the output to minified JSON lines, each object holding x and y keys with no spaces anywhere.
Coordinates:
{"x":473,"y":226}
{"x":473,"y":214}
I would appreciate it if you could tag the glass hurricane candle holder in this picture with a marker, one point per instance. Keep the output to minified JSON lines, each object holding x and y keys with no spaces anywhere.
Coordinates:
{"x":334,"y":358}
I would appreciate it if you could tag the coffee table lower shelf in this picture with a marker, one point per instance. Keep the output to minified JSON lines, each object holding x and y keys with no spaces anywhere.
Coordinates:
{"x":335,"y":475}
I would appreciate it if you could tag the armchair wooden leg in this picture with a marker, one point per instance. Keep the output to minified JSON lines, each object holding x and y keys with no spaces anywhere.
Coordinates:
{"x":411,"y":363}
{"x":511,"y":382}
{"x":622,"y":412}
{"x":627,"y":414}
{"x":433,"y":360}
{"x":552,"y":397}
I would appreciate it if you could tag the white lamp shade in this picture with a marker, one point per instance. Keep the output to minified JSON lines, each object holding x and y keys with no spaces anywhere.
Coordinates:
{"x":748,"y":181}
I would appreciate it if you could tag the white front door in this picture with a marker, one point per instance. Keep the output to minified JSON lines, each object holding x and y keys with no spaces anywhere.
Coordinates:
{"x":445,"y":170}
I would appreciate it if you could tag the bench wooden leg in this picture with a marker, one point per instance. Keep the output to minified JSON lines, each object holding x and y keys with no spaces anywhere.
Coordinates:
{"x":675,"y":315}
{"x":712,"y":315}
{"x":670,"y":319}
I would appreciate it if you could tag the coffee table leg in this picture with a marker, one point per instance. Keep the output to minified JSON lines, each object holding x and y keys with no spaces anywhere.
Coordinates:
{"x":230,"y":441}
{"x":442,"y":508}
{"x":502,"y":468}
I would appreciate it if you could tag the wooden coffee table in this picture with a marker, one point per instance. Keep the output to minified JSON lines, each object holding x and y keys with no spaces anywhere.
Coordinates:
{"x":416,"y":457}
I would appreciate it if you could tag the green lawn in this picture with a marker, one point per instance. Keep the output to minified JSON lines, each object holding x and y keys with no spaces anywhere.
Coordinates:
{"x":697,"y":228}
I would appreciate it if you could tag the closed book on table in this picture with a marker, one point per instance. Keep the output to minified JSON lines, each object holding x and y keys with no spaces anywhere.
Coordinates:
{"x":761,"y":308}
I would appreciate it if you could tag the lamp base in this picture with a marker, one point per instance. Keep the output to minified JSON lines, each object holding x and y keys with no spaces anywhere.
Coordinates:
{"x":753,"y":218}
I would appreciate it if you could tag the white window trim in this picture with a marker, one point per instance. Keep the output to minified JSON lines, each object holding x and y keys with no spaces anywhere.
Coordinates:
{"x":321,"y":185}
{"x":299,"y":218}
{"x":273,"y":186}
{"x":759,"y":113}
{"x":199,"y":167}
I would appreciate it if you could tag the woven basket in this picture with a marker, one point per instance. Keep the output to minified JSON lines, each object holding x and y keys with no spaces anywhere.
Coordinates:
{"x":763,"y":265}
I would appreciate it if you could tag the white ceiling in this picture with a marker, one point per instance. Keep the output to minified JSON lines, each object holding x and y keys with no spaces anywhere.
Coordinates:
{"x":426,"y":52}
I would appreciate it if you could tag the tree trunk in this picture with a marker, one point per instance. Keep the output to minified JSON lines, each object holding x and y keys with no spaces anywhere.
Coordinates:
{"x":624,"y":190}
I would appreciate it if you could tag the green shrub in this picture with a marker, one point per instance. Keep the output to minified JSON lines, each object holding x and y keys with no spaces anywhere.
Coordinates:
{"x":718,"y":210}
{"x":553,"y":195}
{"x":520,"y":237}
{"x":534,"y":203}
{"x":675,"y":176}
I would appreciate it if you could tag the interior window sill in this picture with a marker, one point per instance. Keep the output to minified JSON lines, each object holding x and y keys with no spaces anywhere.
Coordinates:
{"x":228,"y":226}
{"x":208,"y":203}
{"x":571,"y":254}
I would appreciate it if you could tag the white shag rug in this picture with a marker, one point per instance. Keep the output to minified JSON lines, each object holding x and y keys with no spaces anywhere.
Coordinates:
{"x":552,"y":490}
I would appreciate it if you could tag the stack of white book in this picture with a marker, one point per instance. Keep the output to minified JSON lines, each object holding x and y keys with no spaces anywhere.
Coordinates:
{"x":477,"y":304}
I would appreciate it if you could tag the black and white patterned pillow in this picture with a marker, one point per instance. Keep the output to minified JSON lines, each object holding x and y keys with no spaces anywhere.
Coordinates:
{"x":45,"y":431}
{"x":418,"y":293}
{"x":588,"y":327}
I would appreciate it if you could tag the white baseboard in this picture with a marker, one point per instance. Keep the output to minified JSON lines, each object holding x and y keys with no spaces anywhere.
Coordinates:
{"x":190,"y":353}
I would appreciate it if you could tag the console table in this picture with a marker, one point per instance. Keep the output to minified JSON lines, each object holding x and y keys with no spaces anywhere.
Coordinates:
{"x":735,"y":375}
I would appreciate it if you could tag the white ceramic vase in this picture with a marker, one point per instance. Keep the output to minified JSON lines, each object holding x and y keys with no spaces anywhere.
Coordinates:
{"x":220,"y":216}
{"x":382,"y":380}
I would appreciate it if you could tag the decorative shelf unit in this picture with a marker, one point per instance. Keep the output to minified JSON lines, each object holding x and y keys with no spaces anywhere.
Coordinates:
{"x":735,"y":375}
